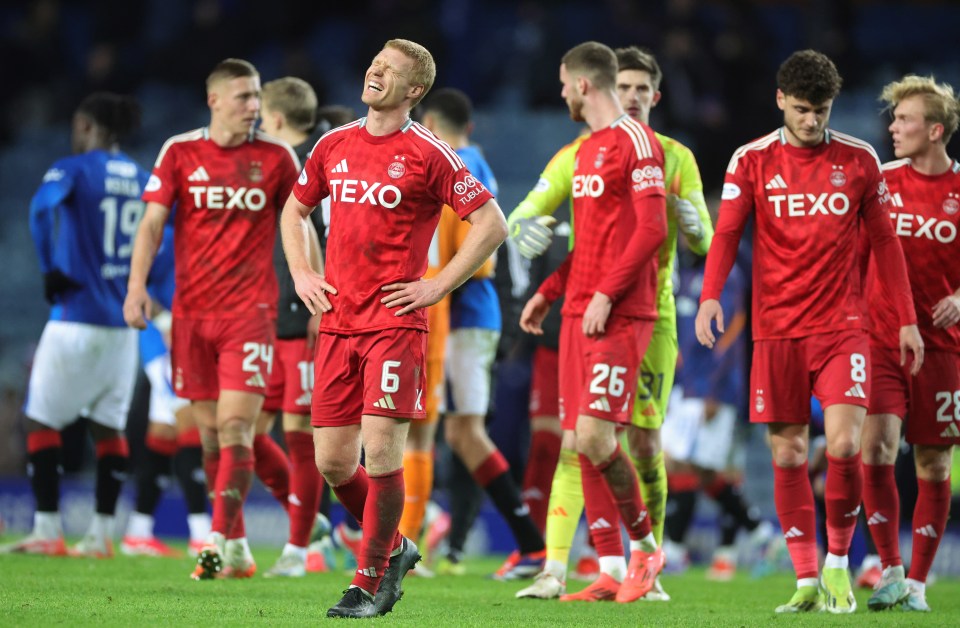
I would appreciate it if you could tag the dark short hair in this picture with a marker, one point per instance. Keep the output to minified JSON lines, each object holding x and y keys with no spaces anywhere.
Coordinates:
{"x":117,"y":114}
{"x":452,"y":106}
{"x":809,"y":75}
{"x":634,"y":58}
{"x":230,"y":69}
{"x":594,"y":61}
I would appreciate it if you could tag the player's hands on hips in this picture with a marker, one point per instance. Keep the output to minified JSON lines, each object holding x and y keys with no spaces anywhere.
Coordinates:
{"x":533,"y":235}
{"x":531,"y":318}
{"x":709,"y":311}
{"x":412,"y":296}
{"x":688,"y":218}
{"x":946,"y":313}
{"x":137,"y":307}
{"x":911,"y":341}
{"x":312,"y":289}
{"x":596,"y":315}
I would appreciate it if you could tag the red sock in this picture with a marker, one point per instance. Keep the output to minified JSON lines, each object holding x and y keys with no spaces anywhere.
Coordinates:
{"x":305,"y":486}
{"x":842,"y":497}
{"x":233,"y":483}
{"x":381,"y":517}
{"x":621,"y":477}
{"x":538,"y":477}
{"x":793,"y":497}
{"x":882,"y":504}
{"x":211,"y":469}
{"x":490,"y":469}
{"x":273,"y":467}
{"x":929,"y":521}
{"x":353,"y":493}
{"x":603,"y":518}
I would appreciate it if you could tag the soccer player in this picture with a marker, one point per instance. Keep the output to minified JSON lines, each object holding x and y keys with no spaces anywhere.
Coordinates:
{"x":924,"y":184}
{"x":228,"y":182}
{"x":289,"y":112}
{"x":82,"y":219}
{"x":609,"y":282}
{"x":388,"y":178}
{"x":638,"y":88}
{"x":172,"y":435}
{"x":475,"y":324}
{"x":810,"y":190}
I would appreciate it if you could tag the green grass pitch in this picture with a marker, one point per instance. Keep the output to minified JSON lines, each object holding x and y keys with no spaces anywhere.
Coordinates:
{"x":40,"y":591}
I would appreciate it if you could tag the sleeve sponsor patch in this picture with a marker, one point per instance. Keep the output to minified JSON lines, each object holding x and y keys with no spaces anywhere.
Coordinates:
{"x":303,"y":177}
{"x":730,"y":191}
{"x":542,"y":185}
{"x":53,"y":174}
{"x":153,"y":184}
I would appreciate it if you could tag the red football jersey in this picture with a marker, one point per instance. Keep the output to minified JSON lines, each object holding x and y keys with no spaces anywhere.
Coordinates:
{"x":620,"y":209}
{"x":809,"y":205}
{"x":226,"y":203}
{"x":925,"y":213}
{"x":386,"y":193}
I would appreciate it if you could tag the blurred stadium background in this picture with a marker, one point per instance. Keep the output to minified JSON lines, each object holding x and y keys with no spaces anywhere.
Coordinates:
{"x":719,"y":59}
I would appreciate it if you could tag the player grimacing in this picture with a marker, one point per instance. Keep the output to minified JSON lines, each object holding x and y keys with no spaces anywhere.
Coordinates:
{"x":388,"y":178}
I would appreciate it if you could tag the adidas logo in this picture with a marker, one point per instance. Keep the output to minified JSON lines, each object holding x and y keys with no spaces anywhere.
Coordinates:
{"x":256,"y":380}
{"x":341,"y":167}
{"x":895,"y":200}
{"x":385,"y":403}
{"x":600,"y":404}
{"x":792,"y":533}
{"x":856,"y":391}
{"x":370,"y":572}
{"x":927,"y":531}
{"x":952,"y":431}
{"x":600,"y":524}
{"x":876,"y":519}
{"x":853,"y":513}
{"x":200,"y":174}
{"x":776,"y":183}
{"x":558,"y":512}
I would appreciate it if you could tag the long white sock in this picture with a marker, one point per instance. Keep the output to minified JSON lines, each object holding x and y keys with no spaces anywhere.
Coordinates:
{"x":832,"y":561}
{"x":199,"y":525}
{"x":140,"y":525}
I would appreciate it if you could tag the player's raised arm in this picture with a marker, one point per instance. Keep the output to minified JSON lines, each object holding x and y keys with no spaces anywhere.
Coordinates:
{"x":136,"y":306}
{"x":297,"y":246}
{"x":530,"y":224}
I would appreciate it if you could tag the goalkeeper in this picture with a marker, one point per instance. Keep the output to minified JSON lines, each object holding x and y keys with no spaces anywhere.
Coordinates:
{"x":530,"y":226}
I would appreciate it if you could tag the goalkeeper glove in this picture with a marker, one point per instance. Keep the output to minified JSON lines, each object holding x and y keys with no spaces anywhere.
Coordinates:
{"x":533,"y":235}
{"x":688,"y":218}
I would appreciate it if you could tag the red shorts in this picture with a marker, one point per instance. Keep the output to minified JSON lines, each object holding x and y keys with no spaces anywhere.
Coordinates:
{"x":379,"y":373}
{"x":930,"y":401}
{"x":832,"y":366}
{"x":598,"y":376}
{"x":291,"y":382}
{"x":227,"y":354}
{"x":544,"y":384}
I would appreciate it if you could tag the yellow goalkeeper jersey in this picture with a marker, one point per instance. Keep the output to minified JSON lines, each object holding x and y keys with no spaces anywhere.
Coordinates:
{"x":682,"y":178}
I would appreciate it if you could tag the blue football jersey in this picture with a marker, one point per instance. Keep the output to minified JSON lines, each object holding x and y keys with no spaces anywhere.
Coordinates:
{"x":83,"y":220}
{"x":475,"y":303}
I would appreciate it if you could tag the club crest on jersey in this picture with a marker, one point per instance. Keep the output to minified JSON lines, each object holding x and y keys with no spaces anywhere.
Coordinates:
{"x":951,"y":205}
{"x":396,"y":169}
{"x":256,"y":171}
{"x":759,"y":405}
{"x":600,"y":155}
{"x":837,"y":178}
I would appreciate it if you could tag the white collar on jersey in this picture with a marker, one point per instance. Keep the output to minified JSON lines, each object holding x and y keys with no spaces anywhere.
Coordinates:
{"x":250,"y":136}
{"x":783,"y":135}
{"x":403,"y":129}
